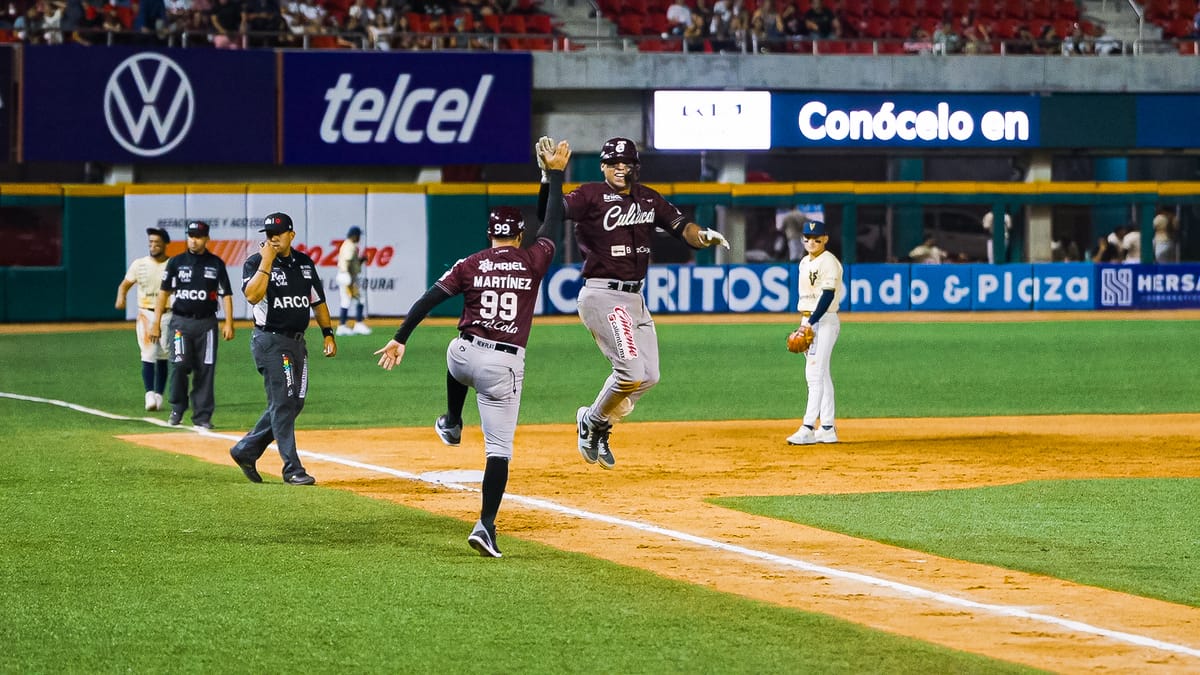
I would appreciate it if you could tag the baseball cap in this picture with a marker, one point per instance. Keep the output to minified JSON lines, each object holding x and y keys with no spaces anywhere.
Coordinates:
{"x":197,"y":228}
{"x":354,"y":231}
{"x":277,"y":223}
{"x":619,"y":150}
{"x":158,"y":231}
{"x":814,"y":228}
{"x":505,"y":222}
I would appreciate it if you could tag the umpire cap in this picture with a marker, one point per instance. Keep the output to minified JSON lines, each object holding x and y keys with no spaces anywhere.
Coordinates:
{"x":505,"y":222}
{"x":159,"y":232}
{"x":277,"y":223}
{"x":619,"y":150}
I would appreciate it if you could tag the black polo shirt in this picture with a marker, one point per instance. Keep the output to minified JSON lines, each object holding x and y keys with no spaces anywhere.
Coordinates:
{"x":197,"y":281}
{"x":292,"y":291}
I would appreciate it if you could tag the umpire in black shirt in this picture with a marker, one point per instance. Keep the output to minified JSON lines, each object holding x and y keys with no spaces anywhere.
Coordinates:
{"x":283,"y":286}
{"x":195,"y":278}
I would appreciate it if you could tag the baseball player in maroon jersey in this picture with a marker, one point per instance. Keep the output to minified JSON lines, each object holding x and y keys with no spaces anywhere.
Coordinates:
{"x":499,"y":286}
{"x":614,"y":221}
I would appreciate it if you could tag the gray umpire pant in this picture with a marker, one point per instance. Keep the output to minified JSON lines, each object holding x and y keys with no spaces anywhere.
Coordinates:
{"x":193,"y":353}
{"x":282,"y":360}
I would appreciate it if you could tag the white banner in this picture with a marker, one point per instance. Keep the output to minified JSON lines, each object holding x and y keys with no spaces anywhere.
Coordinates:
{"x":394,"y":239}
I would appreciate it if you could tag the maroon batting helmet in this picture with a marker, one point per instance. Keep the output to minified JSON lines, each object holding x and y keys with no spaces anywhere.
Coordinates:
{"x":505,"y":222}
{"x":619,"y":150}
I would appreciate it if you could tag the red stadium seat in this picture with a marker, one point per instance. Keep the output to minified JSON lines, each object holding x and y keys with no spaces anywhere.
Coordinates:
{"x":1191,"y":48}
{"x":852,"y":10}
{"x":901,"y":26}
{"x":875,"y":27}
{"x":832,"y":46}
{"x":933,"y":8}
{"x":881,"y":8}
{"x":634,"y":7}
{"x":1156,"y":10}
{"x":630,"y":24}
{"x":1066,"y":9}
{"x":512,"y":23}
{"x":1041,"y":10}
{"x":1005,"y":29}
{"x":907,"y":8}
{"x":491,"y":22}
{"x":543,"y":24}
{"x":1015,"y":9}
{"x":1177,"y":28}
{"x":986,"y":9}
{"x":1185,"y":9}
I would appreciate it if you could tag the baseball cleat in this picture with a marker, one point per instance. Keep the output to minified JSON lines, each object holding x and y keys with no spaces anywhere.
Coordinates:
{"x":803,"y":436}
{"x":451,"y":436}
{"x":589,"y":446}
{"x":345,"y":330}
{"x":483,"y":541}
{"x":824,"y":435}
{"x":247,"y":467}
{"x":206,"y":426}
{"x":604,"y":454}
{"x":158,"y":401}
{"x":361,"y":328}
{"x":151,"y":403}
{"x":175,"y":419}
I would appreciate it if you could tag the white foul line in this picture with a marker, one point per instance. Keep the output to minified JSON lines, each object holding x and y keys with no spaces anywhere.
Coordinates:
{"x":793,"y":563}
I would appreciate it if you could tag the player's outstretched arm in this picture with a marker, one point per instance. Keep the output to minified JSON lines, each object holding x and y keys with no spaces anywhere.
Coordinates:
{"x":393,"y":352}
{"x":555,"y":160}
{"x":703,"y":237}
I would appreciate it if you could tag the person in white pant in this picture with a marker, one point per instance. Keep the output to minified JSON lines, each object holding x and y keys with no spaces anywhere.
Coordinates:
{"x":349,"y":271}
{"x":146,"y":273}
{"x":820,"y":296}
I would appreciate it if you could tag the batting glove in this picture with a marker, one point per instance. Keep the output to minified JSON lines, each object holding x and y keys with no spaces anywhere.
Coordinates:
{"x":710,"y":237}
{"x":544,"y":144}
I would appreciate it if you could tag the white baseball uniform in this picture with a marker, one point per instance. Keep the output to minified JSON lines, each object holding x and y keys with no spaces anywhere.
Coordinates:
{"x":816,"y":276}
{"x":146,"y":274}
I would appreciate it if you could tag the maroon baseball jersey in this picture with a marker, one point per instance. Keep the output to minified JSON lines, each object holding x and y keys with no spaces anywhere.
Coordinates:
{"x":613,"y":229}
{"x":500,"y":289}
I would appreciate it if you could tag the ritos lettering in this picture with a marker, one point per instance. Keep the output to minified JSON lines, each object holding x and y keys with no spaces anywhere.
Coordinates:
{"x":817,"y":123}
{"x":369,"y":115}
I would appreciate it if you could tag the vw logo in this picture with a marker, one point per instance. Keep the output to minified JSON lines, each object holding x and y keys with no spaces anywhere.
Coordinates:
{"x":149,"y":93}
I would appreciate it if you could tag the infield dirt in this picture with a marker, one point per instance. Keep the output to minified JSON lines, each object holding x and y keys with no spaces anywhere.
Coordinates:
{"x":665,"y":472}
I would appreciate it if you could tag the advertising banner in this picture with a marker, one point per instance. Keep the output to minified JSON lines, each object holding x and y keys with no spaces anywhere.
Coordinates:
{"x":817,"y":120}
{"x":712,"y":120}
{"x":7,"y":109}
{"x":406,"y":108}
{"x":690,"y":289}
{"x":394,"y":273}
{"x":1168,"y":121}
{"x":119,"y":104}
{"x":1147,"y":286}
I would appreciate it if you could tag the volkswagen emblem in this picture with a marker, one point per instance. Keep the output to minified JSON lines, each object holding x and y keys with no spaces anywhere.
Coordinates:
{"x":149,"y":104}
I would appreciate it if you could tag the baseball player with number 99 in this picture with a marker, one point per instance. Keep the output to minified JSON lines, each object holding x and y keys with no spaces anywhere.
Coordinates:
{"x":820,"y":295}
{"x":499,"y":286}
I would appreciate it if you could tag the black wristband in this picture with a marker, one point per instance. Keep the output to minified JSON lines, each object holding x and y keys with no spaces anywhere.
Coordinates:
{"x":327,"y":332}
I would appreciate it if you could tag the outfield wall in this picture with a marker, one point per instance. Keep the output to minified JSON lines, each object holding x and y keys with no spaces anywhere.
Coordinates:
{"x":413,"y":233}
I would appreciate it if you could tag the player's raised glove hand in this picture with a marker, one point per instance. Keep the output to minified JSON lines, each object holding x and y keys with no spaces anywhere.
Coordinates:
{"x":556,"y":157}
{"x":392,"y":354}
{"x":544,"y":145}
{"x":799,"y":340}
{"x":710,"y":237}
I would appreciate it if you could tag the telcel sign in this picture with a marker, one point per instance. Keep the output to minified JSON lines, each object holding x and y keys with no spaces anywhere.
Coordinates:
{"x":712,"y":120}
{"x":963,"y":121}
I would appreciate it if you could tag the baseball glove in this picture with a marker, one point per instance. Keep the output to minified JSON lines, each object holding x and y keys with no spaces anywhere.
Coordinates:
{"x":799,"y":340}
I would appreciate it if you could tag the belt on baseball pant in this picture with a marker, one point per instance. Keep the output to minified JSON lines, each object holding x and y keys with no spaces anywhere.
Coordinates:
{"x":186,"y":315}
{"x":488,"y":344}
{"x":616,"y":285}
{"x":291,"y":336}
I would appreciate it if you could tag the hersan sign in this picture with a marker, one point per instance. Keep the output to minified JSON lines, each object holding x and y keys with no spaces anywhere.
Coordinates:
{"x":391,"y":108}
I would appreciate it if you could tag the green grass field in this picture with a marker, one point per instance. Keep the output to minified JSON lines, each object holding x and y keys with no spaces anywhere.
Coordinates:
{"x":116,"y":557}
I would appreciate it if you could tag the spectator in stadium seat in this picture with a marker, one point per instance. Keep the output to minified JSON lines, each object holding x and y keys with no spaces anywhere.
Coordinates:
{"x":821,"y":22}
{"x":353,"y":35}
{"x":263,"y":20}
{"x":227,"y":24}
{"x":1077,"y":43}
{"x":679,"y":18}
{"x":1104,"y":44}
{"x":945,"y":39}
{"x":1048,"y":41}
{"x":695,"y":34}
{"x":380,"y":33}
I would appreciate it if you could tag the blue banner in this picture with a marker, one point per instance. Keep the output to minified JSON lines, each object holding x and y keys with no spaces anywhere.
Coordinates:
{"x":116,"y":104}
{"x":1148,"y":286}
{"x":816,"y":120}
{"x":1168,"y":121}
{"x":7,"y":109}
{"x":406,"y":108}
